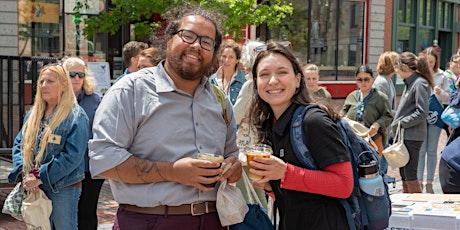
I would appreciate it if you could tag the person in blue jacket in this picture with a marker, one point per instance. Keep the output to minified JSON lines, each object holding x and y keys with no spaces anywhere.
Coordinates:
{"x":84,"y":84}
{"x":229,"y":77}
{"x":48,"y":151}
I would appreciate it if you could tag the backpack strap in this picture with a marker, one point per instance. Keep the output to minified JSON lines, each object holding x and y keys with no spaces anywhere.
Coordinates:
{"x":299,"y":145}
{"x":221,"y":99}
{"x":298,"y":139}
{"x":348,"y":136}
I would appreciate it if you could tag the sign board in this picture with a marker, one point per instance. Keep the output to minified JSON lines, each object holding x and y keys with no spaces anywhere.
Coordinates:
{"x":100,"y":71}
{"x":93,"y":7}
{"x":39,"y":12}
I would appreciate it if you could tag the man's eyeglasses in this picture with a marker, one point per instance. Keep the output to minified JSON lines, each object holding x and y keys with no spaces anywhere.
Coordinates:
{"x":366,"y":79}
{"x":190,"y":37}
{"x":264,"y":47}
{"x":74,"y":74}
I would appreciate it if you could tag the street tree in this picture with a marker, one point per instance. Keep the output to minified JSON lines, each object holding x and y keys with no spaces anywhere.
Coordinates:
{"x":237,"y":13}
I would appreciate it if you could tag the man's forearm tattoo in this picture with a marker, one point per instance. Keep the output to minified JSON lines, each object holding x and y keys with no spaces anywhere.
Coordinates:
{"x":142,"y":166}
{"x":146,"y":166}
{"x":154,"y":165}
{"x":117,"y":170}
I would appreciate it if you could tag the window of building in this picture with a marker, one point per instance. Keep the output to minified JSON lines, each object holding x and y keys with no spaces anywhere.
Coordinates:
{"x":49,"y":28}
{"x":435,"y":20}
{"x":39,"y":30}
{"x":328,"y":33}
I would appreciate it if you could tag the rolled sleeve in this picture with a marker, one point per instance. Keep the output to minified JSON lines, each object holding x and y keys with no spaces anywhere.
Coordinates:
{"x":112,"y":133}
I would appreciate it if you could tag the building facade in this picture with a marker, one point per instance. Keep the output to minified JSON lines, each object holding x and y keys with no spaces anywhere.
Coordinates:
{"x":337,"y":35}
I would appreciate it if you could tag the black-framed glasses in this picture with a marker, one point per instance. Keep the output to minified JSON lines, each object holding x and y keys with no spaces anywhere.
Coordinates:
{"x":366,"y":79}
{"x":190,"y":37}
{"x":264,"y":47}
{"x":79,"y":74}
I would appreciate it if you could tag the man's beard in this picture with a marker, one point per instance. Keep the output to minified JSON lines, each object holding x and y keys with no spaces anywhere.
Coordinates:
{"x":187,"y":72}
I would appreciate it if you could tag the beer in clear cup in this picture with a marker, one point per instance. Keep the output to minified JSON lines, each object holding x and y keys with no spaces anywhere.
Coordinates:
{"x":214,"y":158}
{"x":257,"y":150}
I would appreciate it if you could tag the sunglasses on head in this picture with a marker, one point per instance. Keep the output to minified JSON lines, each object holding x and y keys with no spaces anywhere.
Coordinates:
{"x":74,"y":74}
{"x":264,"y":47}
{"x":366,"y":79}
{"x":54,"y":64}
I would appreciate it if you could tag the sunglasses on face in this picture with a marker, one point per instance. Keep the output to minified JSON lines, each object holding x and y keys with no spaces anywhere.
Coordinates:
{"x":74,"y":74}
{"x":366,"y":79}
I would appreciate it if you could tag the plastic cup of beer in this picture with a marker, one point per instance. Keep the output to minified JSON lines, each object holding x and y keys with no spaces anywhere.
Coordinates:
{"x":257,"y":150}
{"x":214,"y":158}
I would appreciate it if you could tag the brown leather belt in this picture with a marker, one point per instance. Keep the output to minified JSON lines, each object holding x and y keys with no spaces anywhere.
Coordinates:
{"x":194,"y":209}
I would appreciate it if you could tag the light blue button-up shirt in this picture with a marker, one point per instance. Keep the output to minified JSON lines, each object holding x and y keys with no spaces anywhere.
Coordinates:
{"x":145,"y":115}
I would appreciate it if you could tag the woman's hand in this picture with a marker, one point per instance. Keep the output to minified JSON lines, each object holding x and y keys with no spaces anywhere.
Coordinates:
{"x":374,"y":129}
{"x":437,"y":90}
{"x":31,"y":183}
{"x":272,"y":168}
{"x":262,"y":186}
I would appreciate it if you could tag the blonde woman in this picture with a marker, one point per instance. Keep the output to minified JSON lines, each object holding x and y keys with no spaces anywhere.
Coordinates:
{"x":48,"y":151}
{"x":84,"y":84}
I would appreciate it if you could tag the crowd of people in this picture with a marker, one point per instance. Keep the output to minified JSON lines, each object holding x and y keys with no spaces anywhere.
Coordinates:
{"x":146,"y":132}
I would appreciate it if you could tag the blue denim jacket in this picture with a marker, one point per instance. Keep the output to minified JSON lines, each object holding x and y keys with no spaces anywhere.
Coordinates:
{"x":235,"y":86}
{"x":62,"y":164}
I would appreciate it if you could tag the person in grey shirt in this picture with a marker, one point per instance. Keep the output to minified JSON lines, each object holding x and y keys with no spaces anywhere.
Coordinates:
{"x":412,"y":113}
{"x":385,"y":70}
{"x":151,"y":126}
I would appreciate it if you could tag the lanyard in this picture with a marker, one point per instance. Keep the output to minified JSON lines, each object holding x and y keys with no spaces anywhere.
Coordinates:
{"x":361,"y":106}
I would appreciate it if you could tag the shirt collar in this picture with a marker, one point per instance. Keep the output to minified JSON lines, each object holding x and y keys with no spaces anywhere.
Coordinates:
{"x":164,"y":83}
{"x":284,"y":121}
{"x":410,"y":79}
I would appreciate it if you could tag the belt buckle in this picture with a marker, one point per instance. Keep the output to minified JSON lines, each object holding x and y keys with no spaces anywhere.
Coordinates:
{"x":192,"y":210}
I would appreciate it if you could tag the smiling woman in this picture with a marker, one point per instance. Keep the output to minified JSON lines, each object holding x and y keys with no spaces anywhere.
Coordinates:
{"x":281,"y":89}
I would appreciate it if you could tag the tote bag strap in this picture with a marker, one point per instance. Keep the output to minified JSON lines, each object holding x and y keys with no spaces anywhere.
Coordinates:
{"x":252,"y":195}
{"x":398,"y":133}
{"x":402,"y":135}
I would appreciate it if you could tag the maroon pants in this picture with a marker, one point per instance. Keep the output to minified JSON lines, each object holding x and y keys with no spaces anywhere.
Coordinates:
{"x":140,"y":221}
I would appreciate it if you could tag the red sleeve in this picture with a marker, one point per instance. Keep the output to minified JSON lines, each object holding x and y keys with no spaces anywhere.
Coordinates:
{"x":335,"y":180}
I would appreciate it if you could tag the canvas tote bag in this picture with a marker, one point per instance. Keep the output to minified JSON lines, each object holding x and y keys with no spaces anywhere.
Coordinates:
{"x":397,"y":154}
{"x":36,"y":211}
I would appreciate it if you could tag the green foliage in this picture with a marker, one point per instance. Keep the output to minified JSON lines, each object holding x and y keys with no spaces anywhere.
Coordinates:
{"x":238,"y":13}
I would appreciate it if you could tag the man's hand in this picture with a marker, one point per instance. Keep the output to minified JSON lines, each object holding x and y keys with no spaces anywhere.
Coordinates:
{"x":196,"y":173}
{"x":233,"y":174}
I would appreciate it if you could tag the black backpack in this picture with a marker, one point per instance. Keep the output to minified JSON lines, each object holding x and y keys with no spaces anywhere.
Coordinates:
{"x":364,"y":211}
